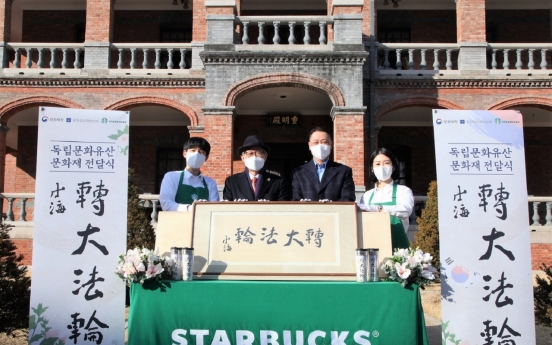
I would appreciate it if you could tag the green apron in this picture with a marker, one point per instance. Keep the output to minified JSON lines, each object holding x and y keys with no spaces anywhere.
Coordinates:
{"x":399,"y":239}
{"x":186,"y":194}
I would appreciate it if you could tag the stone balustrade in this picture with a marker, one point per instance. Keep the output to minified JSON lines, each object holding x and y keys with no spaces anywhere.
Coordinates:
{"x":47,"y":55}
{"x":17,"y":201}
{"x":138,"y":55}
{"x":288,"y":30}
{"x":418,"y":56}
{"x":540,"y":211}
{"x":126,"y":55}
{"x":519,"y":56}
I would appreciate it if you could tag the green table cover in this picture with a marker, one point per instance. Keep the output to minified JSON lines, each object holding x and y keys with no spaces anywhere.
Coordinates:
{"x":275,"y":313}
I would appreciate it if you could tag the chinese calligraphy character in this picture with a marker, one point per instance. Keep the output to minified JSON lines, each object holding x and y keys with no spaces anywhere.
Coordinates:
{"x":55,"y":194}
{"x":91,"y":283}
{"x":290,"y":235}
{"x":500,"y":289}
{"x":246,"y":236}
{"x":459,"y":195}
{"x":269,"y":237}
{"x":226,"y":247}
{"x":98,"y":194}
{"x":463,"y":211}
{"x":83,"y":189}
{"x":490,"y":238}
{"x":490,"y":331}
{"x":93,"y":335}
{"x":485,"y":192}
{"x":318,"y":238}
{"x":500,"y":205}
{"x":84,"y":234}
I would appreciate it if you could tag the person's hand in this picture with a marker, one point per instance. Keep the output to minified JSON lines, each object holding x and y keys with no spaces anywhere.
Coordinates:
{"x":305,"y":200}
{"x":324,"y":200}
{"x":263,"y":200}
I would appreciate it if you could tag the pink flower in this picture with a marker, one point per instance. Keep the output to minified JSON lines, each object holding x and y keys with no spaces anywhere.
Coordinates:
{"x":402,"y":271}
{"x":153,"y":270}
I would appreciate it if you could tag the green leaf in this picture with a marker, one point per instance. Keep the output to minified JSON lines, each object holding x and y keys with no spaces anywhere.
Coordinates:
{"x":39,"y":310}
{"x":32,"y":322}
{"x":36,"y":337}
{"x":113,"y":136}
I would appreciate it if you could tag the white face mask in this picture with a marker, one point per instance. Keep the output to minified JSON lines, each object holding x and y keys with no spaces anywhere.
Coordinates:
{"x":321,"y":151}
{"x":195,"y":160}
{"x":383,"y":173}
{"x":254,"y":163}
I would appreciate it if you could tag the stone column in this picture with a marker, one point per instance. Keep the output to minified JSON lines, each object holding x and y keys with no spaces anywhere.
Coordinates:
{"x":348,"y":24}
{"x":471,"y":36}
{"x":218,"y":130}
{"x":5,"y":30}
{"x":3,"y":134}
{"x":99,"y":34}
{"x":349,"y":142}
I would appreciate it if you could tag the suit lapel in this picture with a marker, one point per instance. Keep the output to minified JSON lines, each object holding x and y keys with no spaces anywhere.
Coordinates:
{"x":329,"y":174}
{"x":245,"y":183}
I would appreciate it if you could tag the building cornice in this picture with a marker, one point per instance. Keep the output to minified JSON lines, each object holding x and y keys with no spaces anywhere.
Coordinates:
{"x":283,"y":58}
{"x":102,"y":82}
{"x":464,"y":83}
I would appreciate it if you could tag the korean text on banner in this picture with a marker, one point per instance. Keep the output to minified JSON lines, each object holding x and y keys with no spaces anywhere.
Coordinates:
{"x":484,"y":227}
{"x":80,"y":227}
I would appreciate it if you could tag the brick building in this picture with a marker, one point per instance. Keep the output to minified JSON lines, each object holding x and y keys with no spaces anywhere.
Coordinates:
{"x":371,"y":70}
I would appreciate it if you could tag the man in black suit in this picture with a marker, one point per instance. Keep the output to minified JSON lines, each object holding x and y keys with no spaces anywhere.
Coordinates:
{"x":254,"y":183}
{"x":322,"y":178}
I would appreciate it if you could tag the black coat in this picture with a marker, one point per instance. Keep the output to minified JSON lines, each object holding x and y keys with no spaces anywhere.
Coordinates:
{"x":271,"y":187}
{"x":336,"y":185}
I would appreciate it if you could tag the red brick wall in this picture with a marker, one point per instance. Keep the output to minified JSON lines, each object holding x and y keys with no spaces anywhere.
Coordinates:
{"x":218,"y":131}
{"x":541,"y":253}
{"x":99,"y":20}
{"x":5,"y":20}
{"x":200,"y":21}
{"x":366,"y":21}
{"x":349,"y":144}
{"x":470,"y":19}
{"x":25,"y":247}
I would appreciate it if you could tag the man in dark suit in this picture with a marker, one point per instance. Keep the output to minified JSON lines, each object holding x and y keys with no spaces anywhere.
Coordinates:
{"x":322,"y":178}
{"x":254,"y":183}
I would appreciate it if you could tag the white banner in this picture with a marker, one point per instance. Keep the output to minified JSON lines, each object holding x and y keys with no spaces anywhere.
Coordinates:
{"x":484,"y":228}
{"x":80,"y":221}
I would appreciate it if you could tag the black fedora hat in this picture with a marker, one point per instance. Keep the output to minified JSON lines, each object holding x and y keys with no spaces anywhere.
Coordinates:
{"x":252,"y":141}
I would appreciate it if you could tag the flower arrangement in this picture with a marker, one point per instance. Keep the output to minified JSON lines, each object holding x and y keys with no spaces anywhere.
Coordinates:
{"x":139,"y":265}
{"x":409,"y":266}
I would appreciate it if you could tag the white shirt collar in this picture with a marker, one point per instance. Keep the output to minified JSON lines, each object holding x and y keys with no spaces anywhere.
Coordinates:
{"x":188,"y":175}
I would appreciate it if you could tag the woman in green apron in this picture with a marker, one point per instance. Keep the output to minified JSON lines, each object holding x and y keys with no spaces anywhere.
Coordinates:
{"x":180,"y":189}
{"x":388,"y":196}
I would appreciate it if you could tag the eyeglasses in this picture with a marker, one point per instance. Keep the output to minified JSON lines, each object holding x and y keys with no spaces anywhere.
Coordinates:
{"x":249,"y":154}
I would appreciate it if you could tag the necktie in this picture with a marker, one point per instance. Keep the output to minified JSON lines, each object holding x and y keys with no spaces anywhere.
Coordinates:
{"x":254,"y":185}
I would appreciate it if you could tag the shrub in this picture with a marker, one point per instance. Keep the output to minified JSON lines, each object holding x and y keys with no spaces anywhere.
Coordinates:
{"x":543,"y":297}
{"x":14,"y":286}
{"x":140,"y":233}
{"x":427,"y":237}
